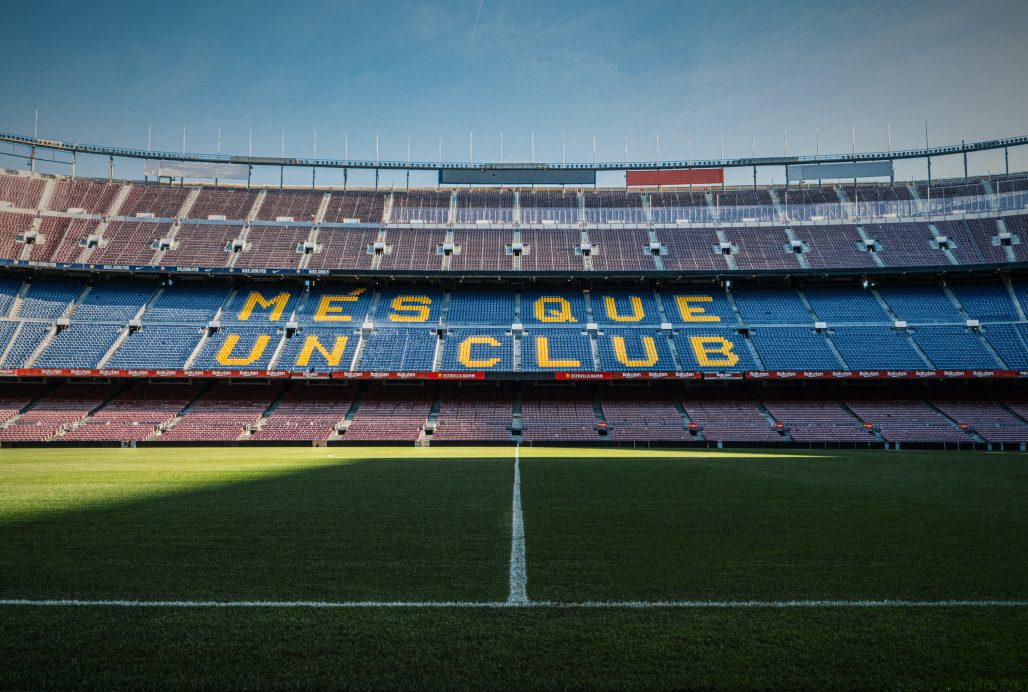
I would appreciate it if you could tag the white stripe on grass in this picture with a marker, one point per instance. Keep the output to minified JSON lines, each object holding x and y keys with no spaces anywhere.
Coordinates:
{"x":833,"y":604}
{"x":518,"y":571}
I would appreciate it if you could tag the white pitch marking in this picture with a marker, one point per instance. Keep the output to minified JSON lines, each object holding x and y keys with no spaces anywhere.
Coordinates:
{"x":835,"y":604}
{"x":518,"y":572}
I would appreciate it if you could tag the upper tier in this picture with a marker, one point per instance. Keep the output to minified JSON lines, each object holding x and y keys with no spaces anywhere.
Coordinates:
{"x":116,"y":225}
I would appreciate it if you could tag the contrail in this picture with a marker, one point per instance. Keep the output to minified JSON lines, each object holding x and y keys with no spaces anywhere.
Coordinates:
{"x":474,"y":30}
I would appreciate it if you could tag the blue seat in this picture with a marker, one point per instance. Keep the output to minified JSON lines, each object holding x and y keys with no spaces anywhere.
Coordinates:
{"x":395,"y":348}
{"x":635,"y":355}
{"x":156,"y":346}
{"x":482,"y":352}
{"x":793,"y":348}
{"x":771,"y":306}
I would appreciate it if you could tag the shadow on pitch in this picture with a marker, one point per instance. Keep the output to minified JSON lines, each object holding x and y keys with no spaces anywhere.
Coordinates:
{"x":385,"y":530}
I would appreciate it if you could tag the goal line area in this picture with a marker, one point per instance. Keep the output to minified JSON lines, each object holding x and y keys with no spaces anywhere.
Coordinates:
{"x":784,"y":604}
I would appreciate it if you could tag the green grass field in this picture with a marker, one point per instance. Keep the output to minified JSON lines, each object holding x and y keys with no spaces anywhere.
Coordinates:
{"x":434,"y":525}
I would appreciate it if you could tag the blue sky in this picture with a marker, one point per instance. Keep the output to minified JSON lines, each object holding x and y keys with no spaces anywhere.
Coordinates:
{"x":104,"y":72}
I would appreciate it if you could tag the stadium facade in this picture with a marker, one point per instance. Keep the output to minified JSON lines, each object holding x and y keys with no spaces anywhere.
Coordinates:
{"x":811,"y":314}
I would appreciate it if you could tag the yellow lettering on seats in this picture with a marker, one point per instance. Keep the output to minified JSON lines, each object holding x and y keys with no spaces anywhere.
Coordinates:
{"x":721,"y":346}
{"x":562,"y":313}
{"x":542,"y":353}
{"x":225,"y":354}
{"x":694,"y":313}
{"x":312,"y":344}
{"x":328,"y":312}
{"x":464,"y":353}
{"x":254,"y":299}
{"x":622,"y":353}
{"x":417,"y":305}
{"x":612,"y":309}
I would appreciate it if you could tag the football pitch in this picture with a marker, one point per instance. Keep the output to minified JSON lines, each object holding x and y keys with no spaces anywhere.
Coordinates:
{"x":462,"y":567}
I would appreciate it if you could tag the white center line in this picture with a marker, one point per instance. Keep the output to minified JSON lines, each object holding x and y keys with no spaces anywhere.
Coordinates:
{"x":518,"y":573}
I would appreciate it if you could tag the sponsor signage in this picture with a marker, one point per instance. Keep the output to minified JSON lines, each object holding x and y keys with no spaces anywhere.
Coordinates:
{"x":879,"y":374}
{"x":675,"y":176}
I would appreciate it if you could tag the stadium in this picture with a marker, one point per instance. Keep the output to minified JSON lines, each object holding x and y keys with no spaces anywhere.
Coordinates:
{"x":813,"y":315}
{"x":645,"y":423}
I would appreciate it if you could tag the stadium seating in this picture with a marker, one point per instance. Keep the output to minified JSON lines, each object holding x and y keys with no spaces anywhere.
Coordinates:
{"x":156,"y":346}
{"x":555,"y":350}
{"x":908,"y":421}
{"x":232,"y":204}
{"x":986,"y":301}
{"x":250,"y":348}
{"x":390,"y":348}
{"x":763,"y":248}
{"x":187,"y":302}
{"x":81,"y":345}
{"x":474,"y":414}
{"x":483,"y":305}
{"x":49,"y":298}
{"x":222,"y":414}
{"x":91,"y":196}
{"x":692,"y":249}
{"x":22,"y":192}
{"x":634,"y":349}
{"x":162,"y":201}
{"x":201,"y":245}
{"x":420,"y":206}
{"x":833,"y":247}
{"x":813,"y":420}
{"x":792,"y":348}
{"x":991,"y":420}
{"x":56,"y":412}
{"x":272,"y":246}
{"x":306,"y":413}
{"x":644,"y":415}
{"x":114,"y":301}
{"x":391,"y":413}
{"x":65,"y":239}
{"x":129,"y":243}
{"x":481,"y":250}
{"x":551,"y":250}
{"x":730,"y":419}
{"x":413,"y":249}
{"x":621,"y":249}
{"x":24,"y":339}
{"x":863,"y":348}
{"x":135,"y":414}
{"x":550,"y":414}
{"x":363,"y":207}
{"x":299,"y":205}
{"x":620,"y":226}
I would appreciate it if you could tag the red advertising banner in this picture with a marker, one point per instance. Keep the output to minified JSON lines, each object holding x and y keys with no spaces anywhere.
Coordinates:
{"x":583,"y":375}
{"x":656,"y":375}
{"x":878,"y":374}
{"x":675,"y":176}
